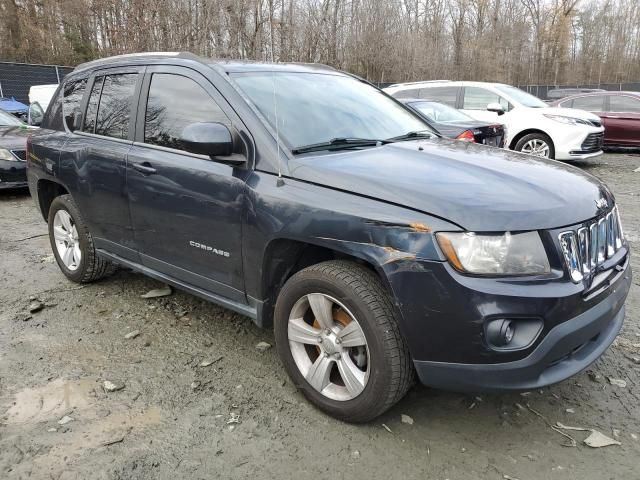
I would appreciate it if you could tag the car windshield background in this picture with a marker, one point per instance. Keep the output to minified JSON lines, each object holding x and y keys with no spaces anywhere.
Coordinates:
{"x":593,"y":103}
{"x":8,"y":120}
{"x":476,"y":98}
{"x":440,"y":113}
{"x":624,"y":104}
{"x":315,"y":108}
{"x":523,"y":98}
{"x":175,"y":102}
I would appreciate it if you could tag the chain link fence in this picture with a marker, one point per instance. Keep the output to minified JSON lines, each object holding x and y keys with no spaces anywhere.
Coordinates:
{"x":17,"y":78}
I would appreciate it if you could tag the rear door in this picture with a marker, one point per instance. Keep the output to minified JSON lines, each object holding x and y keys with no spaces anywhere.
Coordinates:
{"x":186,"y":208}
{"x":93,"y":163}
{"x":622,"y":121}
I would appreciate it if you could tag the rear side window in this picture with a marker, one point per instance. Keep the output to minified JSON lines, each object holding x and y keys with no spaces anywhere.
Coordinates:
{"x":624,"y":103}
{"x":53,"y":117}
{"x":593,"y":103}
{"x":114,"y":110}
{"x":71,"y":106}
{"x":175,"y":102}
{"x":446,"y":95}
{"x":92,"y":106}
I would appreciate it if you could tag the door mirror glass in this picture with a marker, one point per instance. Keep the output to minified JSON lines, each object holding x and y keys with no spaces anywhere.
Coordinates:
{"x":207,"y":138}
{"x":35,"y":114}
{"x":496,"y":108}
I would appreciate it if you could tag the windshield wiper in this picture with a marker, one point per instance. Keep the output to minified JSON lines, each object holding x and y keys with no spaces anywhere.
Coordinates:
{"x":412,"y":135}
{"x":340,"y":143}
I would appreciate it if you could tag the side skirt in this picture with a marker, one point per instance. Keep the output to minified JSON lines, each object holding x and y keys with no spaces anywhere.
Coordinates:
{"x":247,"y":310}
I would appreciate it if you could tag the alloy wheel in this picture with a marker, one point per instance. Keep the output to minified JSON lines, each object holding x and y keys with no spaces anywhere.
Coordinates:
{"x":66,"y":239}
{"x":536,"y":147}
{"x":328,"y":346}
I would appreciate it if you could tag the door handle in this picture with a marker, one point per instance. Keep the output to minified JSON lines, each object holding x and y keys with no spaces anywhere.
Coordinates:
{"x":144,"y":167}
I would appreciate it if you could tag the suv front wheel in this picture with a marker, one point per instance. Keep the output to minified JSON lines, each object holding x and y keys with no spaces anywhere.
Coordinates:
{"x":337,"y":336}
{"x":72,"y":243}
{"x":537,"y":144}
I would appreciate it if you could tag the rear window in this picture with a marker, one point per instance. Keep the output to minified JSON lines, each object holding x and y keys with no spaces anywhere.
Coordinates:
{"x":53,"y":116}
{"x":592,"y":104}
{"x":409,"y":93}
{"x":73,"y":93}
{"x":114,"y":110}
{"x":624,"y":103}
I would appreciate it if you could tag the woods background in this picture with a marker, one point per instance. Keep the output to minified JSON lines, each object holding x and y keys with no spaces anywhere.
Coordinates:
{"x":513,"y":41}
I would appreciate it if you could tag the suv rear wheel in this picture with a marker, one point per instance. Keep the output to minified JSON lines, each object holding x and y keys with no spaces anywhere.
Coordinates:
{"x":537,"y":144}
{"x":72,"y":243}
{"x":338,"y":338}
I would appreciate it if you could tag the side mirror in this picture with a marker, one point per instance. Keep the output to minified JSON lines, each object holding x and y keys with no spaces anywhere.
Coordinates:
{"x":35,"y":114}
{"x":496,"y":108}
{"x":207,"y":138}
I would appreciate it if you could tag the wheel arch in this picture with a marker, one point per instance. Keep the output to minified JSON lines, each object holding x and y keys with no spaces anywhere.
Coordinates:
{"x":528,"y":131}
{"x":283,"y":257}
{"x":47,"y":191}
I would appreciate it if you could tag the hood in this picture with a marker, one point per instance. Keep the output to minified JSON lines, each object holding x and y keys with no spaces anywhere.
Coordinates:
{"x":14,"y":138}
{"x":477,"y":187}
{"x":569,"y":112}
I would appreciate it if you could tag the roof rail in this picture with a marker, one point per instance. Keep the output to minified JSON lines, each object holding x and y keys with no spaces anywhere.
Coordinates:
{"x":131,"y":56}
{"x":417,"y":83}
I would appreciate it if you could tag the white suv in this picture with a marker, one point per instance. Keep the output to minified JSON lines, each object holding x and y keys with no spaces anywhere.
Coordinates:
{"x":532,"y":126}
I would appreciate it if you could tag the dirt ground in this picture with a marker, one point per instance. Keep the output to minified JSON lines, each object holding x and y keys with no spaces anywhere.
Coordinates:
{"x":239,"y":416}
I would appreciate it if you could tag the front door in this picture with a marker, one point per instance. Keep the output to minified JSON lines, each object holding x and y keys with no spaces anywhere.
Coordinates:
{"x":185,"y":208}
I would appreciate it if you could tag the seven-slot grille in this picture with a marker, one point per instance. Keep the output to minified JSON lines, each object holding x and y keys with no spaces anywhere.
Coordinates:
{"x":587,"y":248}
{"x":20,"y":154}
{"x":593,"y":142}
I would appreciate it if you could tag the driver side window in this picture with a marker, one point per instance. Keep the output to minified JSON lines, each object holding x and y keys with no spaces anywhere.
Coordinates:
{"x":476,"y":98}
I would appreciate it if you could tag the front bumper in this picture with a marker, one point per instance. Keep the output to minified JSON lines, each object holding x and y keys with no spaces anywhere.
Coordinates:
{"x":13,"y":174}
{"x":568,"y":141}
{"x":444,"y":314}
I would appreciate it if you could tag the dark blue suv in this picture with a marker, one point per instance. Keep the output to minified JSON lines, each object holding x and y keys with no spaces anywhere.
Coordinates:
{"x":315,"y":204}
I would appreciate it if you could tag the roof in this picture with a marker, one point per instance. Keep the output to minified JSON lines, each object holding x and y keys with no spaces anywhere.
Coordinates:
{"x":226,"y":65}
{"x":12,"y":105}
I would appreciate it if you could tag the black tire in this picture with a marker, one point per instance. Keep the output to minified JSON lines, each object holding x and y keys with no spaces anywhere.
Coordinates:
{"x":536,"y":136}
{"x":357,"y":288}
{"x":91,"y":267}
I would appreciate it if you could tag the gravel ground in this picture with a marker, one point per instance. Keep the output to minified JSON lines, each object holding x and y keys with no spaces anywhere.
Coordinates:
{"x":239,"y":416}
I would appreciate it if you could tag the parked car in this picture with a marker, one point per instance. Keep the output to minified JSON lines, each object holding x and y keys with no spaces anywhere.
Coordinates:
{"x":453,"y":123}
{"x":13,"y":141}
{"x":619,"y":111}
{"x":532,"y":126}
{"x":557,"y":93}
{"x":14,"y":107}
{"x":311,"y":202}
{"x":42,"y":94}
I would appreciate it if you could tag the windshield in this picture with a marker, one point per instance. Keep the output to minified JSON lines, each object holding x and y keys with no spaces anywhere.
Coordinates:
{"x":439,"y":113}
{"x":8,"y":120}
{"x":314,"y":108}
{"x":520,"y":96}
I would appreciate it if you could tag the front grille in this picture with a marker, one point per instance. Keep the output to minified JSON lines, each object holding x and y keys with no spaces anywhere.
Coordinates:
{"x":586,"y":249}
{"x":593,"y":142}
{"x":20,"y":154}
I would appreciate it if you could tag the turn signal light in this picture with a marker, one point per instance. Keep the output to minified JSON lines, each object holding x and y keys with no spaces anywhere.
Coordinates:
{"x":466,"y":136}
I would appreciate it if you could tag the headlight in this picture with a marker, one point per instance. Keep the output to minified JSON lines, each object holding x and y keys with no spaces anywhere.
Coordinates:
{"x":506,"y":254}
{"x":568,"y":120}
{"x":6,"y":155}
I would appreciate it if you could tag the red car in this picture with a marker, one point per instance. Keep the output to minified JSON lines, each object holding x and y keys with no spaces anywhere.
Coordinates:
{"x":619,"y":111}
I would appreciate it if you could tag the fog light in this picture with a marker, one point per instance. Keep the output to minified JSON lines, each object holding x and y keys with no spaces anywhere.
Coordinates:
{"x":500,"y":332}
{"x":512,"y":334}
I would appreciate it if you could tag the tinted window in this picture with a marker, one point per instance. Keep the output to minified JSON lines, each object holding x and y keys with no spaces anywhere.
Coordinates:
{"x":53,"y":117}
{"x":440,"y":113}
{"x":410,"y":93}
{"x":592,"y":104}
{"x":115,"y":105}
{"x":446,"y":95}
{"x":520,"y":96}
{"x":92,"y":106}
{"x":476,"y":98}
{"x":73,"y":92}
{"x":566,"y":104}
{"x":316,"y":107}
{"x":624,"y":103}
{"x":175,"y":102}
